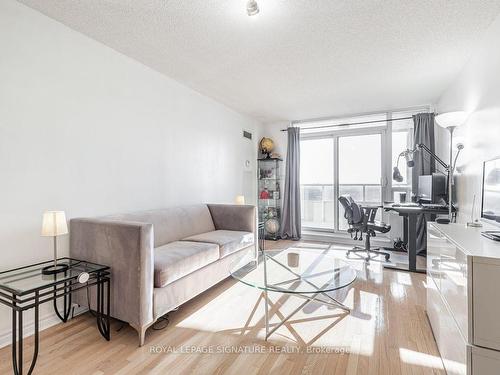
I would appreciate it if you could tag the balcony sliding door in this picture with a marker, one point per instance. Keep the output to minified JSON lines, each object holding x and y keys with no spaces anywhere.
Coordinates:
{"x":360,"y":171}
{"x":317,"y":183}
{"x":336,"y":164}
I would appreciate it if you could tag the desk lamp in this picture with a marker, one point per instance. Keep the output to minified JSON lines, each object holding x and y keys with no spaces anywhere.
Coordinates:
{"x":53,"y":225}
{"x":448,"y":121}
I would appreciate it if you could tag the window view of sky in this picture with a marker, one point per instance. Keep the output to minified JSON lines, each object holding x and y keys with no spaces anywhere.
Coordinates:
{"x":360,"y":159}
{"x":316,"y":161}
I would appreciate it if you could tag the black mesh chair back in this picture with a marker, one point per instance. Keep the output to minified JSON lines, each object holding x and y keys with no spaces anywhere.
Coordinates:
{"x":361,"y":222}
{"x":352,"y":211}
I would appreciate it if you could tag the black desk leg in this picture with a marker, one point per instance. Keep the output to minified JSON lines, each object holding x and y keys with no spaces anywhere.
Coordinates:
{"x":103,"y":319}
{"x":17,"y":338}
{"x":412,"y":243}
{"x":405,"y":230}
{"x":411,"y":246}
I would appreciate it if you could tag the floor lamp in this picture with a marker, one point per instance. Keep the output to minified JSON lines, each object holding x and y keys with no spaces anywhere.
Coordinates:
{"x":450,"y":121}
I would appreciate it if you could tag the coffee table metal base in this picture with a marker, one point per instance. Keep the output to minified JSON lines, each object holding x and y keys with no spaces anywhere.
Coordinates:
{"x":308,"y":299}
{"x":313,"y":297}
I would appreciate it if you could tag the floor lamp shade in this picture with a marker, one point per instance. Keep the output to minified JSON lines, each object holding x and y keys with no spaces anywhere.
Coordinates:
{"x":53,"y":225}
{"x":452,"y":119}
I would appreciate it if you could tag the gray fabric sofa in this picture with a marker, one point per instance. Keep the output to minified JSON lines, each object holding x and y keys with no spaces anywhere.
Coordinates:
{"x":162,"y":258}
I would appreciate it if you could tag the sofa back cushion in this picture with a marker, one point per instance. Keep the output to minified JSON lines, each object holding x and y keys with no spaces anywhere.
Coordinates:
{"x":174,"y":223}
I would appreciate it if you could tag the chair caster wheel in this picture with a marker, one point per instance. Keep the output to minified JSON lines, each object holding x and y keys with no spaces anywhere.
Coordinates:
{"x":387,"y":257}
{"x":347,"y":254}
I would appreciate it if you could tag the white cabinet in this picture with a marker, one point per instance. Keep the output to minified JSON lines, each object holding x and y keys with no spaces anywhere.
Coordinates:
{"x":483,"y":361}
{"x":451,"y":344}
{"x":463,"y":298}
{"x":486,"y":303}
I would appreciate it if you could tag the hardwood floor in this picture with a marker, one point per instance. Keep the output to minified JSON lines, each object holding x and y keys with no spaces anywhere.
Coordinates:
{"x":386,"y":333}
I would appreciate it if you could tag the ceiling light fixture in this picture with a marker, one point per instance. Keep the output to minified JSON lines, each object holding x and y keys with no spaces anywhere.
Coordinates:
{"x":252,"y":8}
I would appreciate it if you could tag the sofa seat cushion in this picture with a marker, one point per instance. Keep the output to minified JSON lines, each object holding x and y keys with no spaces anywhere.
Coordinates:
{"x":178,"y":259}
{"x":229,"y":241}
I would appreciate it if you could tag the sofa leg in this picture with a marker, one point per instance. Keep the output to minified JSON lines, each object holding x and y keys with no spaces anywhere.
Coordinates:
{"x":142,"y":333}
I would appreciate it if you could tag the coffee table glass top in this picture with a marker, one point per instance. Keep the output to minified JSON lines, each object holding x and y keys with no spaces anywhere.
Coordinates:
{"x":294,"y":270}
{"x":30,"y":278}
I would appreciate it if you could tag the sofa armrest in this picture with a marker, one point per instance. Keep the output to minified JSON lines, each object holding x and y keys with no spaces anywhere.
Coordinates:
{"x":127,"y":248}
{"x":233,"y":217}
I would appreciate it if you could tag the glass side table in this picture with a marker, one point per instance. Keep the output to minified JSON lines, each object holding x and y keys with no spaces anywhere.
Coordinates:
{"x":27,"y":288}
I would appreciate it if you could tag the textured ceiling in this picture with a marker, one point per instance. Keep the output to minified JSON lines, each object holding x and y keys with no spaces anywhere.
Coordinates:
{"x":297,"y":59}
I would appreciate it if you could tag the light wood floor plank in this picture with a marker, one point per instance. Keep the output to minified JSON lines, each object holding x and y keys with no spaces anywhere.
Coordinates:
{"x":386,"y":333}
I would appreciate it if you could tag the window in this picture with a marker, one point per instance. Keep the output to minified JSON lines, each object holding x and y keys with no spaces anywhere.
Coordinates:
{"x":402,"y":139}
{"x":356,"y":160}
{"x":360,"y":170}
{"x":316,"y":178}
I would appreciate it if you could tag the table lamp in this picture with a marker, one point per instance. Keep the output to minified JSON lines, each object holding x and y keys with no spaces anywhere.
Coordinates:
{"x":450,"y":121}
{"x":240,"y":199}
{"x":53,"y":225}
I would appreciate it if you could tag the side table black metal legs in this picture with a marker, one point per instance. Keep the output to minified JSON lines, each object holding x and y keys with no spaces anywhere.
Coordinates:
{"x":17,"y":337}
{"x":66,"y":303}
{"x":34,"y":298}
{"x":103,"y":323}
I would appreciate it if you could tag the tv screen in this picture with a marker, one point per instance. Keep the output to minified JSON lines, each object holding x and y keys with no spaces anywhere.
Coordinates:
{"x":491,"y":190}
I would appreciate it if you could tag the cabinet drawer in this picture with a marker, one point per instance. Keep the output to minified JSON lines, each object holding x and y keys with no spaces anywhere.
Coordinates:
{"x":435,"y":241}
{"x":437,"y":247}
{"x":453,"y":269}
{"x":484,"y":361}
{"x":486,"y":304}
{"x":451,"y":344}
{"x":433,"y":306}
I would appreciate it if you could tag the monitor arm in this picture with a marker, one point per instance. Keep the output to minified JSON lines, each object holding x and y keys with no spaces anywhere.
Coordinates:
{"x":421,"y":146}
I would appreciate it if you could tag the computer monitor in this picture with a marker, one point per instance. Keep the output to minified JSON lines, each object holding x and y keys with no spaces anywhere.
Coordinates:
{"x":490,"y":208}
{"x":432,"y":188}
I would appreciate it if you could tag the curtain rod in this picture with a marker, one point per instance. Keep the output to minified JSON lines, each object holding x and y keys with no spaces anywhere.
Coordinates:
{"x":354,"y":123}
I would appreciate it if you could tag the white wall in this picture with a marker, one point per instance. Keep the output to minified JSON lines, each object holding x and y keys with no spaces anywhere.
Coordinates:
{"x":273,"y":131}
{"x":87,"y":130}
{"x":476,"y":89}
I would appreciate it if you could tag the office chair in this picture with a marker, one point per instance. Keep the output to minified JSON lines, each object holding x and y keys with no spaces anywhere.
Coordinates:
{"x":362,"y":220}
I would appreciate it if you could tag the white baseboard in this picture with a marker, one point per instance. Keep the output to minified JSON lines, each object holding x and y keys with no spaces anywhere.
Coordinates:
{"x":29,"y":329}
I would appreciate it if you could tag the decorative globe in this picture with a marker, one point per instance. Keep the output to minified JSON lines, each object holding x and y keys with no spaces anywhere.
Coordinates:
{"x":266,"y":145}
{"x":272,"y":226}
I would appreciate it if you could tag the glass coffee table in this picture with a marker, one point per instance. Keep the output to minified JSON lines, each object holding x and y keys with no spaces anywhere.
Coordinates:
{"x":305,"y":273}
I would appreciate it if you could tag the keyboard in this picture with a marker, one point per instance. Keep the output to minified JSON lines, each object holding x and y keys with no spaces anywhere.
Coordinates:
{"x":406,"y":205}
{"x":434,"y":205}
{"x":429,"y":206}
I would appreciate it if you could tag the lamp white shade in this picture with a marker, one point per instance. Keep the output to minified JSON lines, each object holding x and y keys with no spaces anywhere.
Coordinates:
{"x":54,"y":223}
{"x":452,"y":119}
{"x":240,"y":199}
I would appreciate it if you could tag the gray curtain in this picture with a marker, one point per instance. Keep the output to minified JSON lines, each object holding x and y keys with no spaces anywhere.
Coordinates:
{"x":424,"y":165}
{"x":291,"y":223}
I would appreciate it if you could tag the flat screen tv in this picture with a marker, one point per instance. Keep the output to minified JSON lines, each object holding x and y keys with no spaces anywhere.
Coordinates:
{"x":490,"y":208}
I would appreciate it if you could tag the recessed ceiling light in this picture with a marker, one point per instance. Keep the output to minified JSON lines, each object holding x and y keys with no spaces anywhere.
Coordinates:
{"x":252,"y":8}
